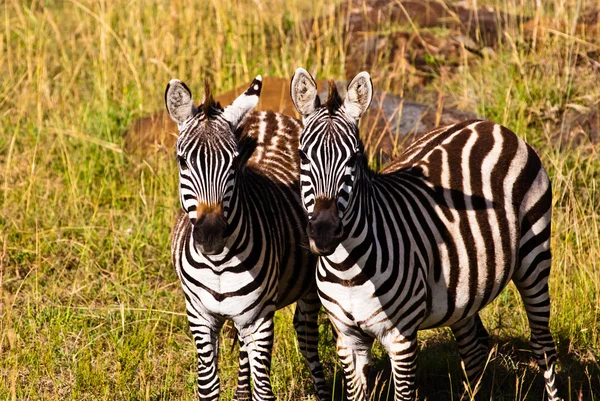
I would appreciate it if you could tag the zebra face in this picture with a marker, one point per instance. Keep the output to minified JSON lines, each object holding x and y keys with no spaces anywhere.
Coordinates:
{"x":207,"y":154}
{"x":206,"y":181}
{"x":327,"y":173}
{"x":330,"y":148}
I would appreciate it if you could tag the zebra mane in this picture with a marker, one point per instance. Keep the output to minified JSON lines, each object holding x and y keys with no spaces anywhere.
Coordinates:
{"x":334,"y":100}
{"x":209,"y":107}
{"x":246,"y":147}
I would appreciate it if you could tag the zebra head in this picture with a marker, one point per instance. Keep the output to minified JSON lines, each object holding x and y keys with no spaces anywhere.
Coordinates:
{"x":207,"y":153}
{"x":329,"y":149}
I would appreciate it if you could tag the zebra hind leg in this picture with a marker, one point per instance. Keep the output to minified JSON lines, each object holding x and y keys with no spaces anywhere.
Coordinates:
{"x":537,"y":304}
{"x":473,"y":340}
{"x":243,"y":392}
{"x":482,"y":333}
{"x":307,"y":329}
{"x":531,"y":280}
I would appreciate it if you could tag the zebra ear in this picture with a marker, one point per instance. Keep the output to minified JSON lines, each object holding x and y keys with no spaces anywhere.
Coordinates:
{"x":359,"y":95}
{"x":236,"y":111}
{"x":179,"y":101}
{"x":303,"y":91}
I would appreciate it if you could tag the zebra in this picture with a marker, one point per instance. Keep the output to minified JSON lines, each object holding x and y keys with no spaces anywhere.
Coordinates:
{"x":237,"y":242}
{"x":427,"y":242}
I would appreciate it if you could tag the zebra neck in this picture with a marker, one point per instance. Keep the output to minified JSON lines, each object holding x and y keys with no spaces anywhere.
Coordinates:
{"x":238,"y":220}
{"x":358,"y":214}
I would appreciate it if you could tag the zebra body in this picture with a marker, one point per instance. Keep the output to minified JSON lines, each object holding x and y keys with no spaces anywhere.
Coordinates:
{"x":428,"y":241}
{"x":237,"y":245}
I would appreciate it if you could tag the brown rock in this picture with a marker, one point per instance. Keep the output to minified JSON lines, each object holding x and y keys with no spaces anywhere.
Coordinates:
{"x":150,"y":134}
{"x":387,"y":125}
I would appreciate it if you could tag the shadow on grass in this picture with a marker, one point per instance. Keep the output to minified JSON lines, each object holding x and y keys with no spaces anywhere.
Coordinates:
{"x":511,"y":374}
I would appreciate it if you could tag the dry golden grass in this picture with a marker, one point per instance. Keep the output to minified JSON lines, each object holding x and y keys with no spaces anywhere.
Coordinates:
{"x":90,"y":307}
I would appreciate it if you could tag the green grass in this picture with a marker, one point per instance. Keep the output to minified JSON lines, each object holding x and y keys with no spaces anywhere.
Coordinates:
{"x":90,"y":307}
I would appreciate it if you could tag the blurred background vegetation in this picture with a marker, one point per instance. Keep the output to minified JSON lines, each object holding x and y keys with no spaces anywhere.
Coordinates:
{"x":90,"y":306}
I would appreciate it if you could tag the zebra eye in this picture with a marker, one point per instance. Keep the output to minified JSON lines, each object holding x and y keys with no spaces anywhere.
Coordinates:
{"x":352,"y":160}
{"x":303,"y":157}
{"x":235,"y":161}
{"x":182,"y":164}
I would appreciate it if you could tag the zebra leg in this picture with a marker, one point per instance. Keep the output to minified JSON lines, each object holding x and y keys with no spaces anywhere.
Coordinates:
{"x":537,"y":304}
{"x":482,"y":333}
{"x":355,"y":356}
{"x":403,"y":349}
{"x":307,"y":327}
{"x":206,"y":337}
{"x":531,"y":280}
{"x":243,"y":392}
{"x":258,"y":339}
{"x":472,"y":340}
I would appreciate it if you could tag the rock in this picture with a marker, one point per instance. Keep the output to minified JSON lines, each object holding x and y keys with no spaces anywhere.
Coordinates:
{"x":421,"y":55}
{"x":484,"y":25}
{"x":390,"y":121}
{"x":432,"y":34}
{"x":393,"y":122}
{"x":149,"y":134}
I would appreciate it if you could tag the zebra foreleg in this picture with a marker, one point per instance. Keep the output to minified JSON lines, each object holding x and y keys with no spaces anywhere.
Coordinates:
{"x":355,"y":356}
{"x":472,"y":340}
{"x":243,"y":392}
{"x":402,"y":349}
{"x":206,"y":338}
{"x":258,"y":339}
{"x":307,"y":327}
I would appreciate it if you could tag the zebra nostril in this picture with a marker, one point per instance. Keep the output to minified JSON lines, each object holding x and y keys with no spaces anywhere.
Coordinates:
{"x":339,"y":230}
{"x":310,"y":229}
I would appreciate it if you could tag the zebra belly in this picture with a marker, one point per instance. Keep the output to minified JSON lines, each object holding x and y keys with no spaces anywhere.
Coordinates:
{"x":448,"y":305}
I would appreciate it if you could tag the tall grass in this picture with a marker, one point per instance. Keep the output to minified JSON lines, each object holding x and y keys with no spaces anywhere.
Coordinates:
{"x":90,"y":307}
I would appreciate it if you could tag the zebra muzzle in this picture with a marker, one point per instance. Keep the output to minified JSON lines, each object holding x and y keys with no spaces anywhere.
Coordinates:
{"x":209,"y":233}
{"x":325,"y":229}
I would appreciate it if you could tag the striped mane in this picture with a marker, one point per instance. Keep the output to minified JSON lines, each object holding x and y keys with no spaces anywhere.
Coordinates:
{"x":334,"y":100}
{"x":209,"y":107}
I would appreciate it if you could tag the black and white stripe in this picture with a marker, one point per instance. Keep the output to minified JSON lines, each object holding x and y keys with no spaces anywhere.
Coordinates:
{"x":237,"y":246}
{"x":427,"y":242}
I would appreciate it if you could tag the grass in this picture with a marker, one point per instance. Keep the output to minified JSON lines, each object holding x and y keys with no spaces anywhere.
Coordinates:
{"x":90,"y":307}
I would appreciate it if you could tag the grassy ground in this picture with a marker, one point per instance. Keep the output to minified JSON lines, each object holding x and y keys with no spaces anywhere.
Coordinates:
{"x":90,"y":307}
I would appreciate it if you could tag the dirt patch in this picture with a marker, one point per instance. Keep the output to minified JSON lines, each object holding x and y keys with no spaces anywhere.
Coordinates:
{"x":388,"y":124}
